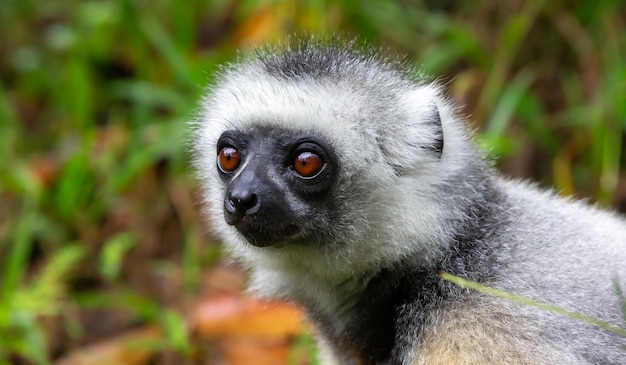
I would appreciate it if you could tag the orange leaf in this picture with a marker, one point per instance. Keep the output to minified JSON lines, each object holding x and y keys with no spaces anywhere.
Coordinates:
{"x":230,"y":315}
{"x":258,"y":28}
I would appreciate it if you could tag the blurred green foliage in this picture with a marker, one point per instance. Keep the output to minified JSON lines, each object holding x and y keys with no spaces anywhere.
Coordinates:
{"x":98,"y":206}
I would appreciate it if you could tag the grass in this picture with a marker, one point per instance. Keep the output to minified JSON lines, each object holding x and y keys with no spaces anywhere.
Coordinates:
{"x":464,"y":283}
{"x":95,"y":96}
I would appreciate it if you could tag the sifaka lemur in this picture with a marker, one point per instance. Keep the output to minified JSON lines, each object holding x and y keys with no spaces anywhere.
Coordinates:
{"x":348,"y":185}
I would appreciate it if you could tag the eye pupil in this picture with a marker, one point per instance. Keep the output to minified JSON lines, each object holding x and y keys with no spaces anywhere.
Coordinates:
{"x":308,"y":164}
{"x":228,"y":159}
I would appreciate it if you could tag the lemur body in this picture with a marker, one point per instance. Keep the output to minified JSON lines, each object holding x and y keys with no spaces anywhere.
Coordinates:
{"x":348,"y":187}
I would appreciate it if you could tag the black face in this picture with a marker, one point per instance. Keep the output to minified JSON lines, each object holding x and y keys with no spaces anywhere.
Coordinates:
{"x":278,"y":183}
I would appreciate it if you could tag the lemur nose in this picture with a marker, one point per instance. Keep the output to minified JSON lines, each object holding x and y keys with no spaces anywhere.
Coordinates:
{"x":239,"y":203}
{"x":243,"y":202}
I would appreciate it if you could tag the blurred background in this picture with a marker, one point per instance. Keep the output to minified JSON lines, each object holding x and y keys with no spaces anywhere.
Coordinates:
{"x":103,"y":256}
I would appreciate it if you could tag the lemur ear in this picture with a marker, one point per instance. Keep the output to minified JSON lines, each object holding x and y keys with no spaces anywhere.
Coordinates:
{"x":417,"y":133}
{"x":435,"y":122}
{"x":422,"y":120}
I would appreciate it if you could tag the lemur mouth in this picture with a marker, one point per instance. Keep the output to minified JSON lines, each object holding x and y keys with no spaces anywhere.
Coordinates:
{"x":263,"y":235}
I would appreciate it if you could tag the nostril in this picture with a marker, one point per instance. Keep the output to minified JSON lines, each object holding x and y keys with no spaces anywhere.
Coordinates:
{"x":243,"y":204}
{"x":250,"y":203}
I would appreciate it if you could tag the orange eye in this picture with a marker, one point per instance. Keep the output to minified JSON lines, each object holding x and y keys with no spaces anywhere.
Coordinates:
{"x":228,"y":159}
{"x":308,"y":164}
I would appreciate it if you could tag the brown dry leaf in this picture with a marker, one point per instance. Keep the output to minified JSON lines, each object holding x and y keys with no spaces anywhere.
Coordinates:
{"x":131,"y":348}
{"x":244,"y":330}
{"x":244,"y":316}
{"x":247,"y":330}
{"x":242,"y":351}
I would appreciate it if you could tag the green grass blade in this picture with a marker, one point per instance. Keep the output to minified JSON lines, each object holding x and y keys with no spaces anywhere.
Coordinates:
{"x":533,"y":303}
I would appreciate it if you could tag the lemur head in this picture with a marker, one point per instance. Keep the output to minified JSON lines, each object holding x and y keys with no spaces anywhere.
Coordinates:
{"x":319,"y":152}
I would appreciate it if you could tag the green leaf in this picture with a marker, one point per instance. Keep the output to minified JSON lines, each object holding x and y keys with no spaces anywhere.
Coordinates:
{"x":112,"y":254}
{"x":176,"y":330}
{"x":509,"y":101}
